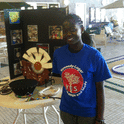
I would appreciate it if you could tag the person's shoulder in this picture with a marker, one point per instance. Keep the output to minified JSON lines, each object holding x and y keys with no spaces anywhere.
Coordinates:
{"x":92,"y":50}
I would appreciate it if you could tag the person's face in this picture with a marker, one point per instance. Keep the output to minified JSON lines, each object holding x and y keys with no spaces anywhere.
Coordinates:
{"x":71,"y":32}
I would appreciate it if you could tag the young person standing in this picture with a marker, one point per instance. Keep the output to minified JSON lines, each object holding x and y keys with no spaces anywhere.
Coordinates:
{"x":83,"y":70}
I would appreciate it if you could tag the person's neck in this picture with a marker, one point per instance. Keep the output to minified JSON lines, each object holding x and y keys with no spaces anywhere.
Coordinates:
{"x":74,"y":48}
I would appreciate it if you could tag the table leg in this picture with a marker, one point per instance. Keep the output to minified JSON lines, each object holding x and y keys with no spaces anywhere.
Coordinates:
{"x":17,"y":116}
{"x":24,"y":116}
{"x":56,"y":113}
{"x":44,"y":114}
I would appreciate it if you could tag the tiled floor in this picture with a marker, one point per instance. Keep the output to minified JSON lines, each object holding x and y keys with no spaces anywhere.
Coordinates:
{"x":114,"y":100}
{"x":114,"y":88}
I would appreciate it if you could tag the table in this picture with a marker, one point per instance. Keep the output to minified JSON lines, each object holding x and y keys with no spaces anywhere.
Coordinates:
{"x":10,"y":101}
{"x":3,"y":45}
{"x":2,"y":38}
{"x":3,"y":48}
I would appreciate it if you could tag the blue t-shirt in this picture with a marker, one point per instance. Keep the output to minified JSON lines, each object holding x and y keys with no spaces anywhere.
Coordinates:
{"x":79,"y":72}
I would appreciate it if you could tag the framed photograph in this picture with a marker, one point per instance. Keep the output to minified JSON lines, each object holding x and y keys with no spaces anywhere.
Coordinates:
{"x":32,"y":33}
{"x":16,"y":37}
{"x":14,"y":17}
{"x":17,"y":53}
{"x":44,"y":46}
{"x":17,"y":69}
{"x":56,"y":47}
{"x":55,"y":32}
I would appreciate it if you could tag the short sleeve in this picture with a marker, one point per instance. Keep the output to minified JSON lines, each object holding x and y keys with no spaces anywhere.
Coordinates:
{"x":55,"y":69}
{"x":102,"y":71}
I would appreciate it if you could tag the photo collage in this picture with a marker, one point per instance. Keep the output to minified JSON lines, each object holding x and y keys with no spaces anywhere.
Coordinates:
{"x":55,"y":32}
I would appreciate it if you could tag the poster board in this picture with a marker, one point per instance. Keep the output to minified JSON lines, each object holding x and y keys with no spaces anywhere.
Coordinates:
{"x":32,"y":28}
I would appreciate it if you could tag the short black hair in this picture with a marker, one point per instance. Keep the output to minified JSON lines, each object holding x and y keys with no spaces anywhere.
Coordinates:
{"x":75,"y":18}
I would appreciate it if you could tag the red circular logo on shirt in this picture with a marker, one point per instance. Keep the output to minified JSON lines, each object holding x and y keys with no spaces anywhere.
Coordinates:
{"x":73,"y":80}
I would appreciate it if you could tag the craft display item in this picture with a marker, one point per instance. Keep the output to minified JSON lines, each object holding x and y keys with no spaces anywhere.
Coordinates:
{"x":5,"y":90}
{"x":23,"y":86}
{"x":32,"y":33}
{"x":49,"y":91}
{"x":14,"y":17}
{"x":37,"y":65}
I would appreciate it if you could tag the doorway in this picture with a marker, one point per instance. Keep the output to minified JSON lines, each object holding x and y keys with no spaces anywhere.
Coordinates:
{"x":81,"y":11}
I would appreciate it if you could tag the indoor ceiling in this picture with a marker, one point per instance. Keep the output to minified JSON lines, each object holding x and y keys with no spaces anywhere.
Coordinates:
{"x":114,"y":5}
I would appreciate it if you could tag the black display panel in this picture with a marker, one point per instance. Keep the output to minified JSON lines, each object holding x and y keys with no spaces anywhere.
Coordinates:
{"x":28,"y":28}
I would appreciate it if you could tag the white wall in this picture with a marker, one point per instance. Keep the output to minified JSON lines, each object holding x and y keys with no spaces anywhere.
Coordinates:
{"x":97,"y":4}
{"x":89,"y":3}
{"x":72,"y":6}
{"x":28,"y":0}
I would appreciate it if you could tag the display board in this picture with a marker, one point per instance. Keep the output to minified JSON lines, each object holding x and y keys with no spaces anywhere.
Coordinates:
{"x":32,"y":28}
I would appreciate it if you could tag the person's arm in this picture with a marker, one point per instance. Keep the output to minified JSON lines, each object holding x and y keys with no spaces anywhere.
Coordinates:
{"x":100,"y":101}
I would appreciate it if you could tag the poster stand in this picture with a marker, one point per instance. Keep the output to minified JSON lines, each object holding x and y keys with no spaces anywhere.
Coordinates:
{"x":32,"y":28}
